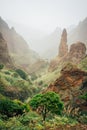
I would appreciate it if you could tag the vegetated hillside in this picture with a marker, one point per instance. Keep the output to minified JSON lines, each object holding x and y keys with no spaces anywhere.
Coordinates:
{"x":16,"y":84}
{"x":83,"y":64}
{"x":70,"y":85}
{"x":18,"y":48}
{"x":39,"y":67}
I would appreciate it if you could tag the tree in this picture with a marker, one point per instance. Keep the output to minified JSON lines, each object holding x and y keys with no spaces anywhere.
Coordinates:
{"x":22,"y":74}
{"x":47,"y":103}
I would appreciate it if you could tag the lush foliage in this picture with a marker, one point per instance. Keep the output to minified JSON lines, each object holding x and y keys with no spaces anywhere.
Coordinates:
{"x":47,"y":103}
{"x":15,"y":87}
{"x":32,"y":121}
{"x":11,"y":108}
{"x":84,"y":96}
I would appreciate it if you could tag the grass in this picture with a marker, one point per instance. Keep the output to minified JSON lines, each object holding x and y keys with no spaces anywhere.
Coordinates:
{"x":33,"y":121}
{"x":83,"y":64}
{"x":48,"y":78}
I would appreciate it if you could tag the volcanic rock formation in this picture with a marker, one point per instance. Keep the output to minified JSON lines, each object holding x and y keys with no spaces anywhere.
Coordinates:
{"x":63,"y":47}
{"x":69,"y":84}
{"x":76,"y":53}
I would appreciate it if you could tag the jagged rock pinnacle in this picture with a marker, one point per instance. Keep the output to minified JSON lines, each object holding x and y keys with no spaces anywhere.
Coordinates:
{"x":63,"y":48}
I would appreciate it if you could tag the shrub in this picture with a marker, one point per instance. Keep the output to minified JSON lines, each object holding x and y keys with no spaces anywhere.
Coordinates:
{"x":15,"y":75}
{"x":33,"y":76}
{"x":28,"y":118}
{"x":10,"y":108}
{"x":7,"y":72}
{"x":40,"y":82}
{"x":1,"y":66}
{"x":22,"y":74}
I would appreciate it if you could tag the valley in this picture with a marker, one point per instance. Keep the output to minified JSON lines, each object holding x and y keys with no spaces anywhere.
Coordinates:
{"x":41,"y":94}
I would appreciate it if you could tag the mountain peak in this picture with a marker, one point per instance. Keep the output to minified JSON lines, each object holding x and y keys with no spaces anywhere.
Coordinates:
{"x":3,"y":24}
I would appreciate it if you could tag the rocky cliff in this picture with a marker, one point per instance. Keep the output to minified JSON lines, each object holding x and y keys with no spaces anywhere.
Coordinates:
{"x":79,"y":32}
{"x":69,"y":85}
{"x":4,"y":55}
{"x":75,"y":54}
{"x":18,"y":48}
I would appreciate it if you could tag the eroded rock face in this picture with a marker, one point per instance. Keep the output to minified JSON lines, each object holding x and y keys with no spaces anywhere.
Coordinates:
{"x":68,"y":84}
{"x":63,"y":48}
{"x":4,"y":55}
{"x":77,"y":52}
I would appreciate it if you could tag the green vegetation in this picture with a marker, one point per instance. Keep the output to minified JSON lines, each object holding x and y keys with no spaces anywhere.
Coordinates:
{"x":84,"y":96}
{"x":1,"y":66}
{"x":83,"y":64}
{"x":21,"y":73}
{"x":11,"y":108}
{"x":47,"y":103}
{"x":32,"y":121}
{"x":15,"y":87}
{"x":22,"y":107}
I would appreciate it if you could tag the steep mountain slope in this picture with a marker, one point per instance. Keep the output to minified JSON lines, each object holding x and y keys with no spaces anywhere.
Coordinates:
{"x":47,"y":45}
{"x":79,"y":33}
{"x":13,"y":86}
{"x":18,"y":48}
{"x":4,"y":55}
{"x":70,"y":85}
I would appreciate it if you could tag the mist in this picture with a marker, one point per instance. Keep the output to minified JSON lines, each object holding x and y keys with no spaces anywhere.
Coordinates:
{"x":37,"y":20}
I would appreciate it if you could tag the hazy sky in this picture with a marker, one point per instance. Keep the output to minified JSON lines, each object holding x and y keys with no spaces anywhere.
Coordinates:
{"x":44,"y":14}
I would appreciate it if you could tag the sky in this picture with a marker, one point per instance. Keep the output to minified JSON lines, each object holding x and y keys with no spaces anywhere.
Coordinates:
{"x":45,"y":15}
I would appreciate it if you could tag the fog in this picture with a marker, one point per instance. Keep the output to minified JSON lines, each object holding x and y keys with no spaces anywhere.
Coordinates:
{"x":36,"y":19}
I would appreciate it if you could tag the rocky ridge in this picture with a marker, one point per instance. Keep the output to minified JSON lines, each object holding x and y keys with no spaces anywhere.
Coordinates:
{"x":70,"y":85}
{"x":4,"y":54}
{"x":18,"y":48}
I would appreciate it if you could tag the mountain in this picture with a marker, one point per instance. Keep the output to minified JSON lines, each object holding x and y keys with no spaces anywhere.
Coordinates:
{"x":18,"y":48}
{"x":50,"y":44}
{"x":52,"y":41}
{"x":79,"y":33}
{"x":70,"y":85}
{"x":4,"y":54}
{"x":74,"y":55}
{"x":47,"y":44}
